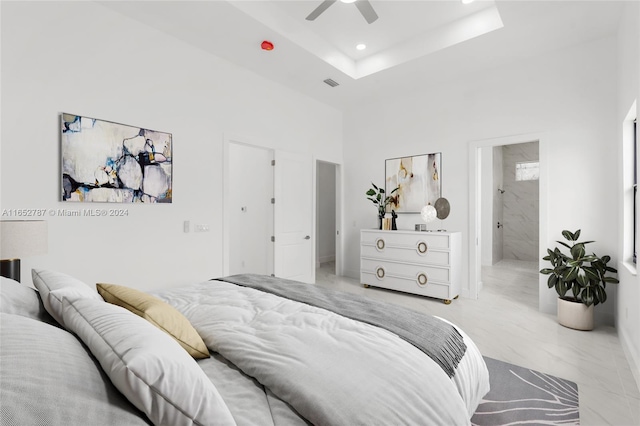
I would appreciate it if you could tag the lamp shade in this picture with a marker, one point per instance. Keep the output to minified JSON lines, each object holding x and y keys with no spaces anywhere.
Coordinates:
{"x":22,"y":238}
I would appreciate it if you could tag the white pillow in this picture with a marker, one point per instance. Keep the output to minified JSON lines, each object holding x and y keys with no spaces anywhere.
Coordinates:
{"x":53,"y":286}
{"x":149,"y":367}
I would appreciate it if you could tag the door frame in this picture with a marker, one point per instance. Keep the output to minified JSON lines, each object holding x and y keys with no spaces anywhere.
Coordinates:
{"x":475,"y":214}
{"x":233,"y":138}
{"x":338,"y":210}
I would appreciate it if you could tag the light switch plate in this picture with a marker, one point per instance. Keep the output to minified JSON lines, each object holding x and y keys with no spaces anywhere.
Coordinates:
{"x":201,"y":228}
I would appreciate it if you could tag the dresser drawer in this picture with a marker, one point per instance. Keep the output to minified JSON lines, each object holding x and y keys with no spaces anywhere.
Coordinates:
{"x":420,"y":254}
{"x":431,"y":289}
{"x":404,"y":270}
{"x":406,"y":239}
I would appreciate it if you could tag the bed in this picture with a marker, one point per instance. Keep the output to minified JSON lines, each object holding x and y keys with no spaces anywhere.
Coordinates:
{"x":239,"y":350}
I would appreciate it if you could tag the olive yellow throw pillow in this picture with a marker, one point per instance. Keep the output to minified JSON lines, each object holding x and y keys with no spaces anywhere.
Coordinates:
{"x":159,"y":313}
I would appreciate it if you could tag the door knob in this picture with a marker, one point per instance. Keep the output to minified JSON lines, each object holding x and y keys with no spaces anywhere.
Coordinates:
{"x":307,"y":237}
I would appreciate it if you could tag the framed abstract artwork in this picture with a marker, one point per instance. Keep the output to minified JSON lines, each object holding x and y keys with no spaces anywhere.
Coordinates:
{"x":109,"y":162}
{"x":418,"y":180}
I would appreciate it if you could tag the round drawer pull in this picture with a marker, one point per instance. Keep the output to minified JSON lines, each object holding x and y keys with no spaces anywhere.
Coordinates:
{"x":422,"y":279}
{"x":380,"y":272}
{"x":380,"y":244}
{"x":422,"y":247}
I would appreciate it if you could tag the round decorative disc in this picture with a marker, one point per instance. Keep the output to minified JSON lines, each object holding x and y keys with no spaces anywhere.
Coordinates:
{"x":442,"y":208}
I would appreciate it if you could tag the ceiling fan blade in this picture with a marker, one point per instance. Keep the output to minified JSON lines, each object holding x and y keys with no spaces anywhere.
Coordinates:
{"x":367,"y":10}
{"x":318,"y":10}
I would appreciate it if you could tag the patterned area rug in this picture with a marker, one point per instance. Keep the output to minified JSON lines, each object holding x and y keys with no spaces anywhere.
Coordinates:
{"x":522,"y":396}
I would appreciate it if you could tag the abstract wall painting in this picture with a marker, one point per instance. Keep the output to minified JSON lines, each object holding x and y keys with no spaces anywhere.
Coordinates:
{"x":114,"y":163}
{"x":419,"y":181}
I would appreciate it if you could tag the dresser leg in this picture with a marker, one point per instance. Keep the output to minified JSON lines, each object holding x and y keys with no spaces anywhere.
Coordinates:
{"x":447,"y":301}
{"x":456,"y":297}
{"x":365,"y":285}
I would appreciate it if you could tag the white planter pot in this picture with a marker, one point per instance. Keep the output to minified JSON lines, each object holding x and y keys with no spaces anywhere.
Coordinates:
{"x":575,"y":315}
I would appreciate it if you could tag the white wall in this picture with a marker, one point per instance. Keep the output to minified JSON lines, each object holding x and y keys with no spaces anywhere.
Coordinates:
{"x":628,"y":300}
{"x":83,"y":58}
{"x":570,"y":95}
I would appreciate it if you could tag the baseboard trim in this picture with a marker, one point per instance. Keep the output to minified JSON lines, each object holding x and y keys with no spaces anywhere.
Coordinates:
{"x":325,"y":259}
{"x":632,"y":357}
{"x":350,"y":273}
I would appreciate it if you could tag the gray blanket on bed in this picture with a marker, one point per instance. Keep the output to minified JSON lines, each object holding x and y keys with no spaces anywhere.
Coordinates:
{"x":437,"y":339}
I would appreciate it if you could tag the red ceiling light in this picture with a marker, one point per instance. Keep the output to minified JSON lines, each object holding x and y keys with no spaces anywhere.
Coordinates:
{"x":266,"y":45}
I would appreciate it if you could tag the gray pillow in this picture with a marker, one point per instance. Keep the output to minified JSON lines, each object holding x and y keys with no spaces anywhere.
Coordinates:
{"x":50,"y":378}
{"x":19,"y":299}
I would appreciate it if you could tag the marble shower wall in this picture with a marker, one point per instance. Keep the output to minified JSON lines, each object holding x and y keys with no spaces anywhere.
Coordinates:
{"x":520,"y":205}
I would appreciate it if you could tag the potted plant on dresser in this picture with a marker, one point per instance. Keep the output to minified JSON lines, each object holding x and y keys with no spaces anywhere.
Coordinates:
{"x":381,"y":200}
{"x":580,"y":279}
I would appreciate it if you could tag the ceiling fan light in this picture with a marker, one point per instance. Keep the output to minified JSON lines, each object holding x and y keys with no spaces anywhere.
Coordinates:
{"x":364,"y":6}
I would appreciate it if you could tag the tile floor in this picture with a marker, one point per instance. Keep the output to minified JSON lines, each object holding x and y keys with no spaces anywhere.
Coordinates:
{"x":505,"y":324}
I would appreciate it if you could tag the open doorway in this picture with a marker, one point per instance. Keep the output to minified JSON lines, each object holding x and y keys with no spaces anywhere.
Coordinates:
{"x":510,"y":205}
{"x":479,"y":228}
{"x":327,"y":231}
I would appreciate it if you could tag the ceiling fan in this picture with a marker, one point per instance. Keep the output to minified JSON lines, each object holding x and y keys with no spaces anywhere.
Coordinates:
{"x":363,"y":6}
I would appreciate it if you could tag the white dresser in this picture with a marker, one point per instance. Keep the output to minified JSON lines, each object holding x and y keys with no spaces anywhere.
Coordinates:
{"x":424,"y":263}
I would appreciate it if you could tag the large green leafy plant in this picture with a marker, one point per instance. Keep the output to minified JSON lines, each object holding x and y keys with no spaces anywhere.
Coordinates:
{"x":580,"y":274}
{"x":379,"y":198}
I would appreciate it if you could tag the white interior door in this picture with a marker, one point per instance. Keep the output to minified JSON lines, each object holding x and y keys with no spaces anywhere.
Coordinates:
{"x":249,"y":211}
{"x":294,"y":239}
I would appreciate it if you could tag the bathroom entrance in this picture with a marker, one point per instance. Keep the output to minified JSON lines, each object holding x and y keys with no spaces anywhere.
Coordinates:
{"x":510,"y":219}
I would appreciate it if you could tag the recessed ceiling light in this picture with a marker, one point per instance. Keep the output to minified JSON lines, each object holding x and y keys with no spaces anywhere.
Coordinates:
{"x":361,"y":46}
{"x":348,"y":1}
{"x":467,"y":1}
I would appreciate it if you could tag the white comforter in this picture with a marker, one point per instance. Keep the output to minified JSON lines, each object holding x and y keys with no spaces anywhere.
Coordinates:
{"x":332,"y":370}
